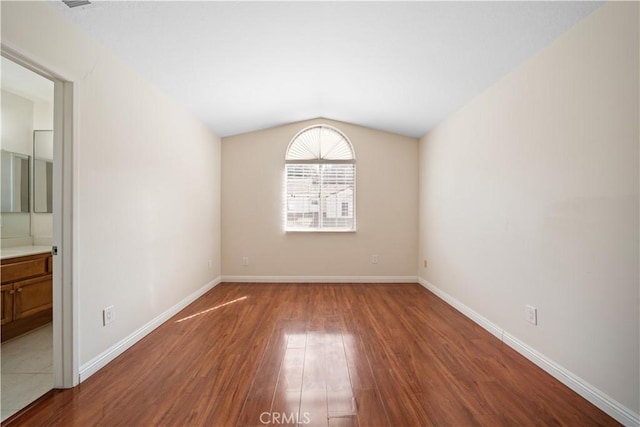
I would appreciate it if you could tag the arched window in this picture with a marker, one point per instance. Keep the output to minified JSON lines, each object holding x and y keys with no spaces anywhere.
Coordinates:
{"x":320,"y":181}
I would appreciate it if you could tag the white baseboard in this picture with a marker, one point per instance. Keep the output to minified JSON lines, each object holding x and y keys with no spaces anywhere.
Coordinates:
{"x":320,"y":279}
{"x":616,"y":410}
{"x":485,"y":323}
{"x":101,"y":360}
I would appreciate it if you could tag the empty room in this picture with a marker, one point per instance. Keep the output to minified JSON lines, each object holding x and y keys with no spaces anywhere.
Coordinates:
{"x":328,"y":214}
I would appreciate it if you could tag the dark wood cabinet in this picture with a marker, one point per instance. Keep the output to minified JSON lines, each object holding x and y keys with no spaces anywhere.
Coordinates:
{"x":27,"y":294}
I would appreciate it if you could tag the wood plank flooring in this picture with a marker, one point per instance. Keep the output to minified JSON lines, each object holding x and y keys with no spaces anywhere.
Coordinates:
{"x":331,"y":355}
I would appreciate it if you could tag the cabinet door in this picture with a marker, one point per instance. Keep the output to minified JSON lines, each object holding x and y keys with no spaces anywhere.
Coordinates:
{"x":32,"y":296}
{"x":6,"y":305}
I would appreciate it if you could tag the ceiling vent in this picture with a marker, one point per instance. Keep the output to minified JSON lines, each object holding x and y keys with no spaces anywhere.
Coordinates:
{"x":76,"y":3}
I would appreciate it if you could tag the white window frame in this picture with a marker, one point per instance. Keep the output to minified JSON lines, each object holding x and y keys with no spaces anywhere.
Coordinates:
{"x":320,"y":161}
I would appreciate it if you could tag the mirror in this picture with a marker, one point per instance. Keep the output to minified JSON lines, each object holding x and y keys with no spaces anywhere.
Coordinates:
{"x":43,"y":186}
{"x":43,"y":171}
{"x":15,"y":182}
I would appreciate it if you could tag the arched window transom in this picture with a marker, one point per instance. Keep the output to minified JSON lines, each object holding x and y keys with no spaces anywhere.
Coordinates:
{"x":320,"y":181}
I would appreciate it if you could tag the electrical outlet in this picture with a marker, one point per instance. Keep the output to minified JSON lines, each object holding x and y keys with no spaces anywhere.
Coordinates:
{"x":424,"y":263}
{"x":245,"y":261}
{"x":210,"y":264}
{"x":531,"y":314}
{"x":374,"y":259}
{"x":107,"y":315}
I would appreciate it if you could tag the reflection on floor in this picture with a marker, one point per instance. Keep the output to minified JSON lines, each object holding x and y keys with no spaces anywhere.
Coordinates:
{"x":27,"y":369}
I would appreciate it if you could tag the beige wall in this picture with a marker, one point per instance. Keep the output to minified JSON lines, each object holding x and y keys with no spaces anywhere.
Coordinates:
{"x":253,"y":215}
{"x":529,"y":195}
{"x":146,"y":181}
{"x":43,"y":116}
{"x":17,"y":124}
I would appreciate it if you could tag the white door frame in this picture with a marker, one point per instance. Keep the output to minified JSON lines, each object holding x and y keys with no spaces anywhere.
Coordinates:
{"x":65,"y":293}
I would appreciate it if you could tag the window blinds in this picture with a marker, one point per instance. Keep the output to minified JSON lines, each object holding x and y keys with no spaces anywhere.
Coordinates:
{"x":320,"y":196}
{"x":320,"y":181}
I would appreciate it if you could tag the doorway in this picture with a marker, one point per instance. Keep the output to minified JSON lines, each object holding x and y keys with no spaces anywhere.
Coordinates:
{"x":38,"y":334}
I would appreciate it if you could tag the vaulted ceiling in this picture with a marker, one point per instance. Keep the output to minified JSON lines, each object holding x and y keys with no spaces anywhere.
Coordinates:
{"x":401,"y":67}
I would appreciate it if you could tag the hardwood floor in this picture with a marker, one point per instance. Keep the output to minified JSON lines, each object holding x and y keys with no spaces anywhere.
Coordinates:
{"x":318,"y":355}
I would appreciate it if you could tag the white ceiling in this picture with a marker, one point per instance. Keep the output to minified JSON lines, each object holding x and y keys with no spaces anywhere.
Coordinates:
{"x":396,"y":66}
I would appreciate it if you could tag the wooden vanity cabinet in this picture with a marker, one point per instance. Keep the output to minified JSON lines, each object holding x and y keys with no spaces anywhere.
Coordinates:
{"x":27,"y":294}
{"x":7,"y":304}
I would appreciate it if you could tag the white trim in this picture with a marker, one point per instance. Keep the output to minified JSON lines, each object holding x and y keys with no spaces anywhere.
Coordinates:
{"x":101,"y":360}
{"x":485,"y":323}
{"x":66,"y":236}
{"x":607,"y":404}
{"x":320,"y":279}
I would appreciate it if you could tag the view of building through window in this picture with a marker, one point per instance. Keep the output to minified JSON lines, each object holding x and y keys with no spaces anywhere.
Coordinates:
{"x":320,"y":180}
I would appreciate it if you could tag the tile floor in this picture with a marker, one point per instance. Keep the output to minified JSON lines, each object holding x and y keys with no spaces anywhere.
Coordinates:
{"x":27,"y":369}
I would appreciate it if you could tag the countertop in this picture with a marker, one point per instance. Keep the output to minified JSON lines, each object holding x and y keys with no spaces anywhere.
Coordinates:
{"x":19,"y":251}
